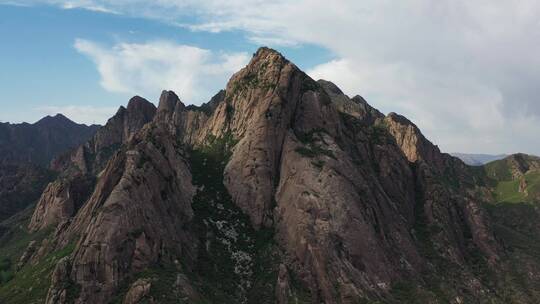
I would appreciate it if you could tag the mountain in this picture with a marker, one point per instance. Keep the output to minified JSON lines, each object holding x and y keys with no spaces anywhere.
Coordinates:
{"x":40,"y":142}
{"x":477,"y":159}
{"x":25,"y":153}
{"x":20,"y":186}
{"x":516,"y":178}
{"x":280,"y":189}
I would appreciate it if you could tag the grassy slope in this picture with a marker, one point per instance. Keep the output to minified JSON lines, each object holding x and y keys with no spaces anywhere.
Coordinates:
{"x":30,"y":283}
{"x":506,"y":188}
{"x":516,"y":223}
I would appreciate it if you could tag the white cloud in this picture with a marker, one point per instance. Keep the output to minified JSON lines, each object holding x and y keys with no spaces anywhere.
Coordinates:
{"x":147,"y":68}
{"x":87,"y":5}
{"x":80,"y":114}
{"x":466,"y":72}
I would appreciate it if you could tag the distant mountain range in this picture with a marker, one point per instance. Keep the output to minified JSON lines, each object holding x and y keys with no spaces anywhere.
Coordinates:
{"x":281,"y":189}
{"x":25,"y":153}
{"x":40,"y":142}
{"x":478,"y":159}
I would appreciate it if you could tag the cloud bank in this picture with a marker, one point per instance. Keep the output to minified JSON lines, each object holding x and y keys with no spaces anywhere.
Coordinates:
{"x":466,"y":72}
{"x":147,"y":68}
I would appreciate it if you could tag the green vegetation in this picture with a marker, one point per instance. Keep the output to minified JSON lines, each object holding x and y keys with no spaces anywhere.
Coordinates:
{"x":498,"y":170}
{"x":378,"y":134}
{"x":309,"y":84}
{"x":163,"y":278}
{"x":516,"y":226}
{"x":508,"y":190}
{"x":318,"y":163}
{"x":251,"y":81}
{"x":515,"y":219}
{"x":30,"y":283}
{"x":408,"y":292}
{"x":312,"y":147}
{"x":299,"y":293}
{"x":238,"y":263}
{"x":506,"y":186}
{"x":6,"y":273}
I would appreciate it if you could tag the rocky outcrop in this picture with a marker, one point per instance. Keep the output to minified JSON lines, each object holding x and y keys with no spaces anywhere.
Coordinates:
{"x":259,"y":107}
{"x":448,"y":199}
{"x":91,"y":157}
{"x":60,"y":283}
{"x":411,"y":141}
{"x":283,"y":286}
{"x":60,"y":201}
{"x":356,"y":107}
{"x":355,"y":202}
{"x":28,"y":252}
{"x":523,"y":186}
{"x":344,"y":203}
{"x":520,"y":164}
{"x":138,"y":215}
{"x":138,"y":291}
{"x":79,"y":168}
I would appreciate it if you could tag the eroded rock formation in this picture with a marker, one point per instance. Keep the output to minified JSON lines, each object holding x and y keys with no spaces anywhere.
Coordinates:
{"x":355,"y":202}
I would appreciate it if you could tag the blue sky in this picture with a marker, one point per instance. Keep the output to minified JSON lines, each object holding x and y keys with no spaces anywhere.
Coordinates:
{"x":466,"y":72}
{"x":42,"y":71}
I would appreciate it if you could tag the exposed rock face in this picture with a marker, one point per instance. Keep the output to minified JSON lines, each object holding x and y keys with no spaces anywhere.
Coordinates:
{"x":259,"y":106}
{"x":28,"y":252}
{"x":91,"y":157}
{"x":138,"y":291}
{"x":523,"y":186}
{"x":337,"y":188}
{"x":79,"y":168}
{"x":411,"y":141}
{"x":357,"y":106}
{"x":139,"y":214}
{"x":356,"y":202}
{"x":60,"y":201}
{"x":283,"y":286}
{"x":59,"y":281}
{"x":447,"y":199}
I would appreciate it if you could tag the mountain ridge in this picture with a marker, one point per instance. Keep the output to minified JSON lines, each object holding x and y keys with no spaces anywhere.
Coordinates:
{"x":281,"y":189}
{"x":478,"y":159}
{"x":41,"y":141}
{"x":25,"y":153}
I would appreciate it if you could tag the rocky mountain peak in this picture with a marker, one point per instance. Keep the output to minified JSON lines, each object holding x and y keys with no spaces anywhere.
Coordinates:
{"x":280,"y":184}
{"x":56,"y":121}
{"x":521,"y":163}
{"x":411,"y":140}
{"x":267,"y":54}
{"x":330,"y":87}
{"x":263,"y":61}
{"x":138,"y":104}
{"x":167,"y":101}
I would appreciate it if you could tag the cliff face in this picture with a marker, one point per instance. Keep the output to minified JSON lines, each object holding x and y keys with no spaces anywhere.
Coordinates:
{"x":78,"y":168}
{"x":92,"y":156}
{"x":139,"y":214}
{"x":280,"y":189}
